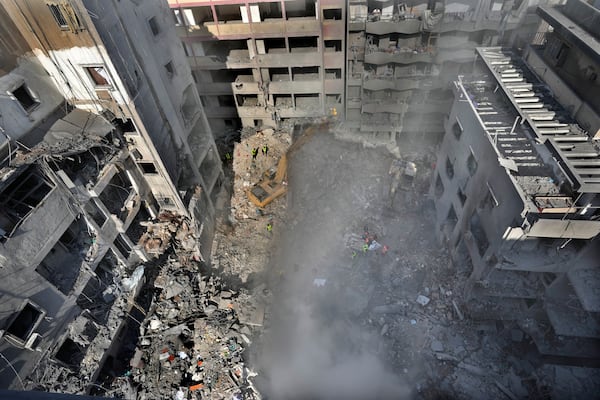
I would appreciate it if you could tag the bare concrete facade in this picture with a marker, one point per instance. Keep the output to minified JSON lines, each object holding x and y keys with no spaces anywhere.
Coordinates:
{"x":402,"y":58}
{"x":266,"y":61}
{"x":97,"y":141}
{"x":516,"y":196}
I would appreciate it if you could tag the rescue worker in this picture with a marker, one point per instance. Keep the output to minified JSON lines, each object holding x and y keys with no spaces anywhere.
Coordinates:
{"x":228,"y":156}
{"x":269,"y":227}
{"x":265,"y":150}
{"x":254,"y":153}
{"x":365,"y":248}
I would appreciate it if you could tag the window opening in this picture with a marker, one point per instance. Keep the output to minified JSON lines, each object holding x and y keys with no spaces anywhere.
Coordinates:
{"x":154,"y":26}
{"x":99,"y":75}
{"x":25,"y":322}
{"x":25,"y":97}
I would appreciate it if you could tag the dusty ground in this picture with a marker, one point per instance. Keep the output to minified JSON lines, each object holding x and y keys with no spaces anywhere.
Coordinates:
{"x":357,"y":331}
{"x":303,"y":312}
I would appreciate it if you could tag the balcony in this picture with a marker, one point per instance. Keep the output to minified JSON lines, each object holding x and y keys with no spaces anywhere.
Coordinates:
{"x":296,"y":86}
{"x":379,"y":56}
{"x":470,"y":22}
{"x":380,"y":82}
{"x":245,"y":84}
{"x":301,"y":57}
{"x":408,"y":26}
{"x":333,"y":59}
{"x":333,"y":85}
{"x":383,"y":106}
{"x":238,"y":29}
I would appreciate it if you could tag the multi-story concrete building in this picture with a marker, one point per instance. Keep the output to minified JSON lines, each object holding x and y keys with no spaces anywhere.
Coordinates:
{"x":402,"y":57}
{"x":102,"y":131}
{"x":516,"y":189}
{"x":565,"y":53}
{"x":260,"y":63}
{"x":384,"y":67}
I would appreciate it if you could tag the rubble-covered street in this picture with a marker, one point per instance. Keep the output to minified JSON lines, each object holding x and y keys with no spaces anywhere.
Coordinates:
{"x":346,"y":296}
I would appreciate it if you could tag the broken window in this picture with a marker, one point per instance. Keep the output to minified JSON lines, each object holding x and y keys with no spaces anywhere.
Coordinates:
{"x":136,"y":229}
{"x":449,"y":168}
{"x":478,"y":233}
{"x":62,"y":266}
{"x":20,"y":197}
{"x":116,"y":194}
{"x":247,"y":100}
{"x":100,"y":291}
{"x":25,"y":322}
{"x":122,"y":245}
{"x":457,"y":129}
{"x":283,"y":100}
{"x":70,"y":353}
{"x":333,"y":45}
{"x":99,"y":75}
{"x":332,"y":13}
{"x":300,"y":8}
{"x":26,"y":98}
{"x":170,"y":69}
{"x":154,"y":28}
{"x":307,"y":101}
{"x":439,"y":187}
{"x":279,"y":74}
{"x":305,"y":73}
{"x":269,"y":11}
{"x":333,"y":73}
{"x":472,"y":163}
{"x":333,"y":99}
{"x":92,"y":209}
{"x":303,"y":43}
{"x":228,"y":12}
{"x":275,"y":45}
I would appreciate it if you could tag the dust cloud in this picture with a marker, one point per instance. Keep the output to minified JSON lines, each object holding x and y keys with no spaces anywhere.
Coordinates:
{"x":319,"y":342}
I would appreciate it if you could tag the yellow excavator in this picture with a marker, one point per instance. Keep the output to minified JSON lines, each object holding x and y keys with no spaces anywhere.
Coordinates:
{"x":274,"y":181}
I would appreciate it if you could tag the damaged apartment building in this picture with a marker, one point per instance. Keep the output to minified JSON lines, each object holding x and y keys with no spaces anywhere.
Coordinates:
{"x":382,"y":66}
{"x":517,"y":183}
{"x":102,"y":133}
{"x":263,"y":62}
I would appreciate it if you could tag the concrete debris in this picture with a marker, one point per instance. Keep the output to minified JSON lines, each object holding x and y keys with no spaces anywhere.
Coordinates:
{"x":192,"y":328}
{"x":437,"y":346}
{"x":423,"y":300}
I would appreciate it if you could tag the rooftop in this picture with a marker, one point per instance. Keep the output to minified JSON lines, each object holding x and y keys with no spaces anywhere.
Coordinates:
{"x":541,"y":120}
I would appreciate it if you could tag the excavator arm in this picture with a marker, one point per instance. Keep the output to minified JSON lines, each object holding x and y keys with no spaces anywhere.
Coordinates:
{"x":274,"y":183}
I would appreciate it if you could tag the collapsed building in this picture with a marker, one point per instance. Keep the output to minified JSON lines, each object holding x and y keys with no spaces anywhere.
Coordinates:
{"x":516,"y":193}
{"x":98,"y":139}
{"x":109,"y":164}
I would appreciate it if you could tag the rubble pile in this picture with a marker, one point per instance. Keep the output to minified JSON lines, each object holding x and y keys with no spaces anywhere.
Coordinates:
{"x":241,"y":245}
{"x":192,"y":341}
{"x":172,"y":229}
{"x":374,"y":281}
